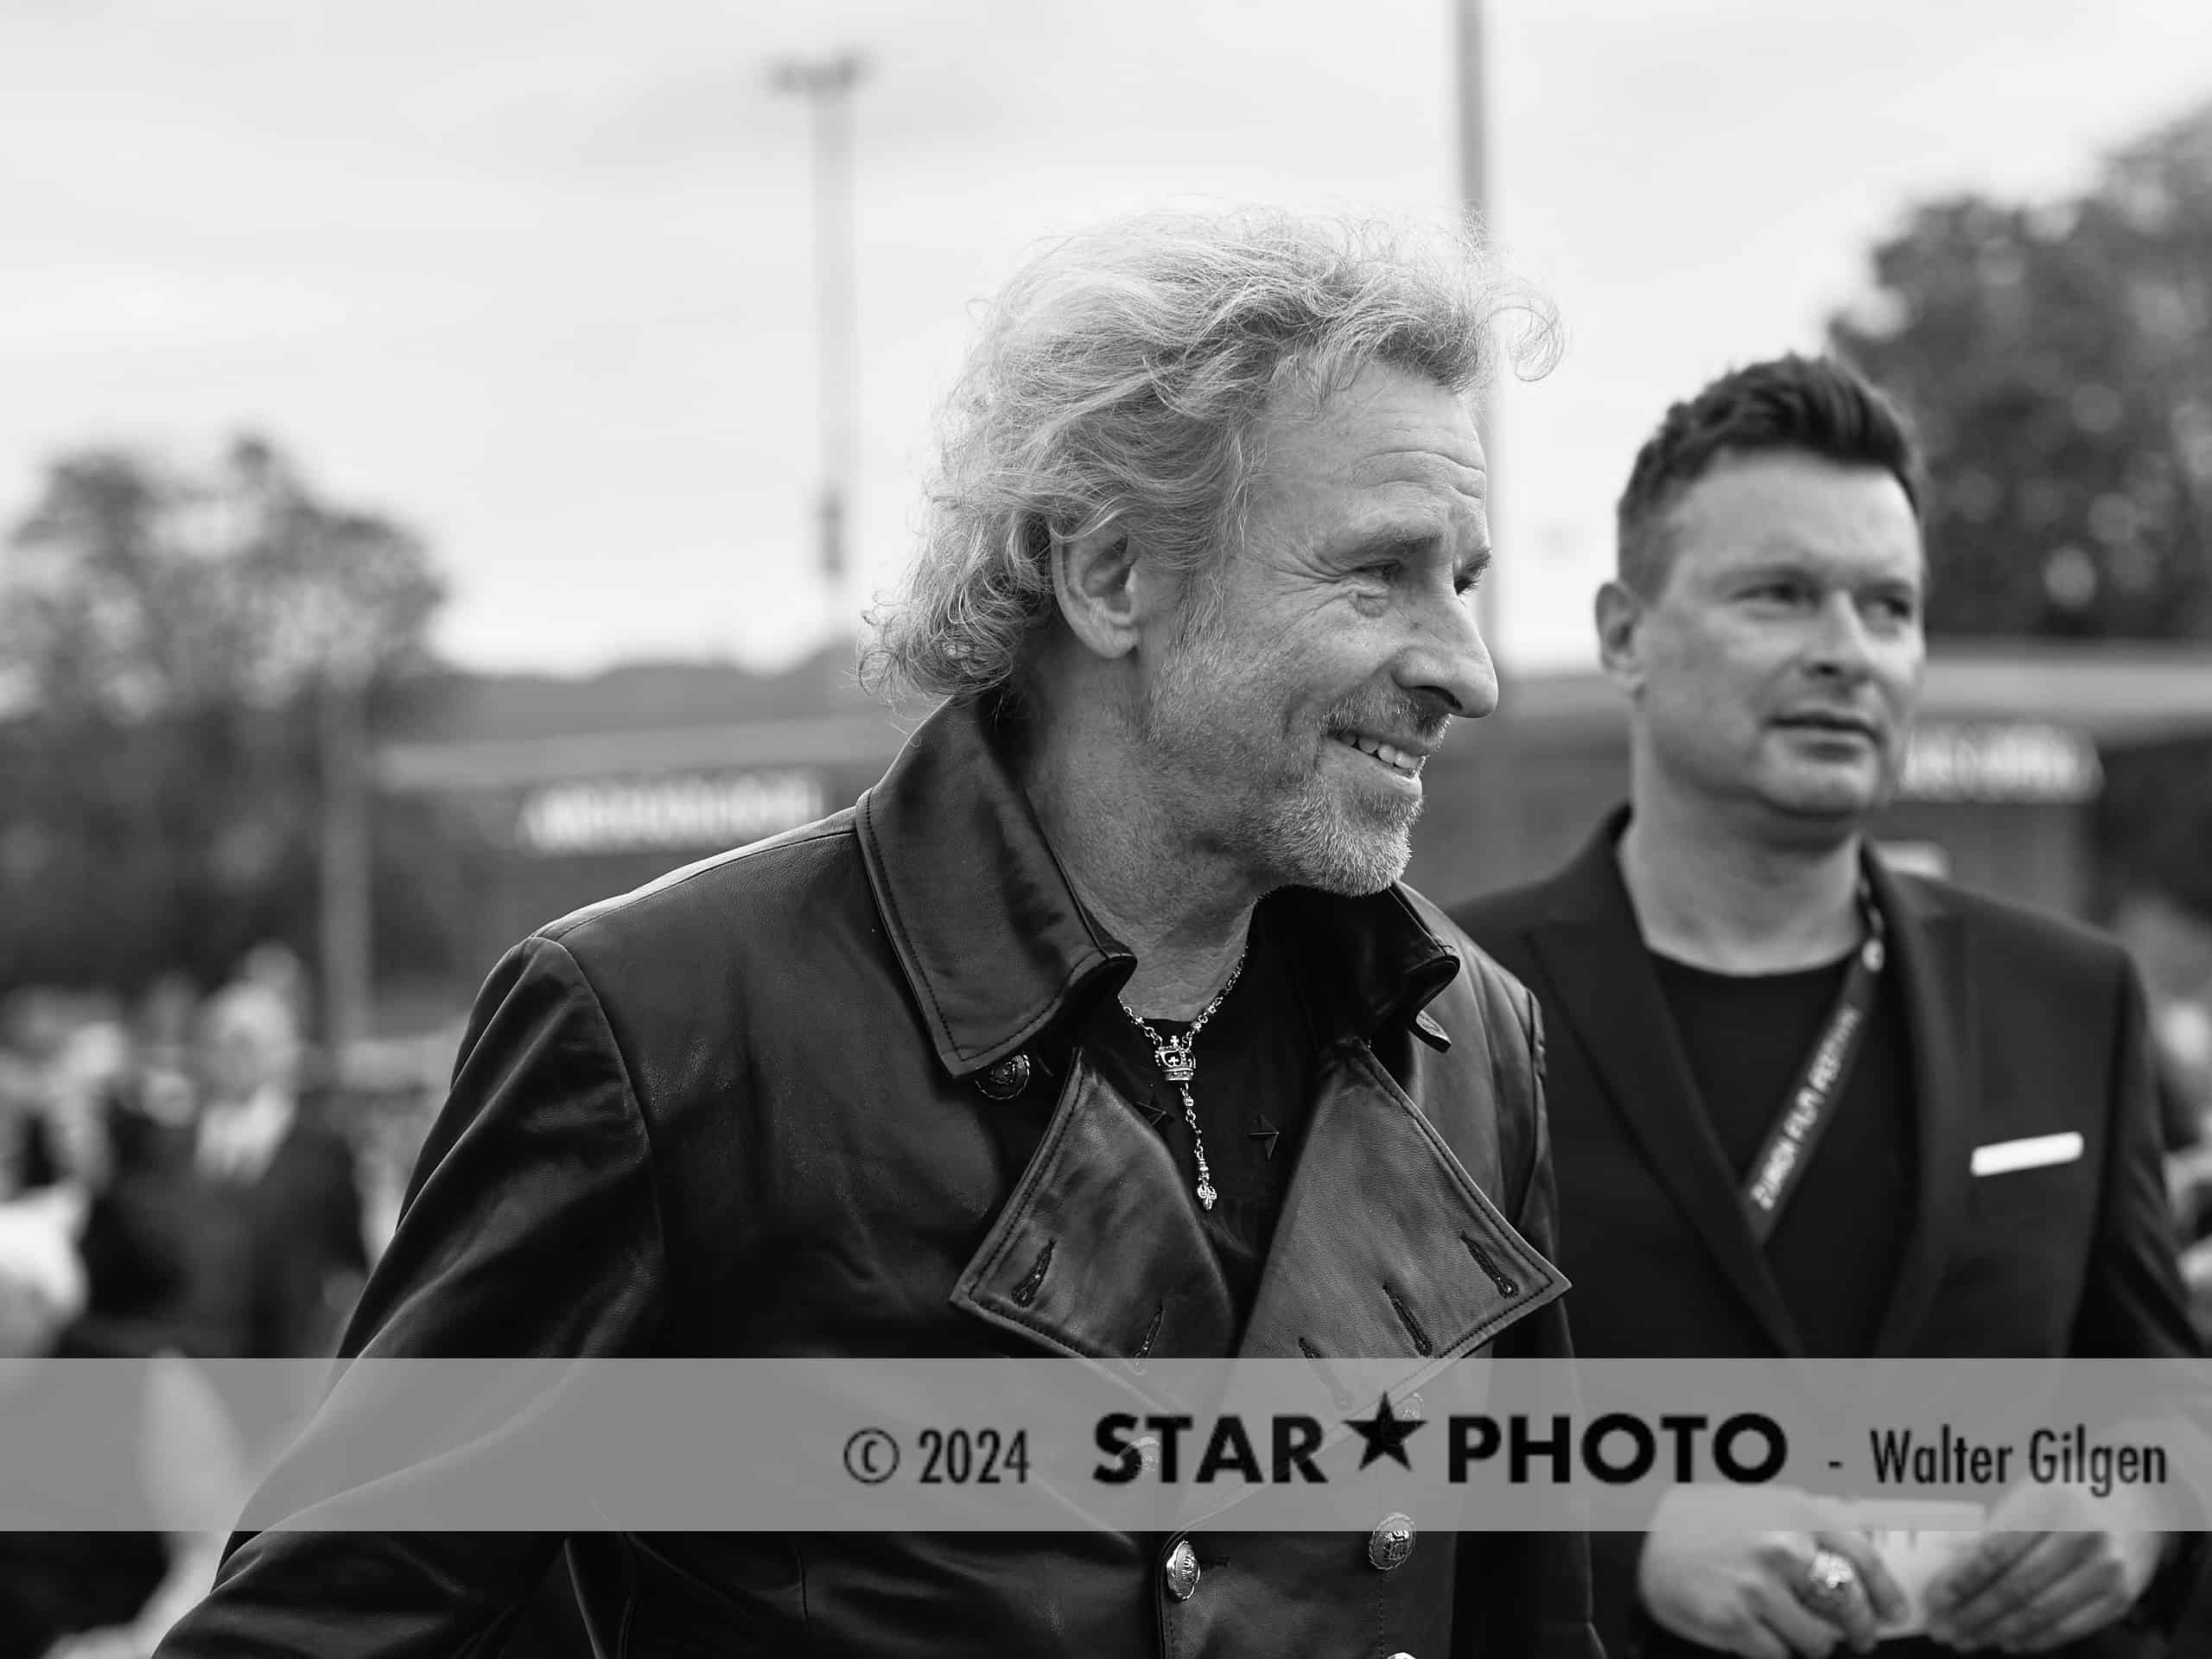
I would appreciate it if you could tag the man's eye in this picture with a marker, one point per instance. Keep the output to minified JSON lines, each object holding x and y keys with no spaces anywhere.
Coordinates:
{"x":1465,"y":585}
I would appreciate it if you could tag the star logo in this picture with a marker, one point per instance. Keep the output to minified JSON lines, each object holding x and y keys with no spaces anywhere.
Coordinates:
{"x":1386,"y":1435}
{"x":1266,"y":1135}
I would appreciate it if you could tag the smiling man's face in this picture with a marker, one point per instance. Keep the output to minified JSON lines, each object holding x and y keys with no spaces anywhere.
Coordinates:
{"x":1291,"y":716}
{"x":1780,"y":663}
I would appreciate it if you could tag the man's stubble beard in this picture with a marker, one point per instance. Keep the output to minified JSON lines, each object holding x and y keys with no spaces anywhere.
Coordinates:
{"x":1787,"y":817}
{"x":1288,"y":830}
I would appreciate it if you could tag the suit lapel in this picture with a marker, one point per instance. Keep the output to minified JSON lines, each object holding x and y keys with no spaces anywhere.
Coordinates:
{"x":1097,"y":1254}
{"x":1607,"y":994}
{"x":1928,"y":953}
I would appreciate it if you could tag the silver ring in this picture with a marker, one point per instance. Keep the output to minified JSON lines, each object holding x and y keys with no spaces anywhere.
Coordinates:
{"x":1829,"y":1581}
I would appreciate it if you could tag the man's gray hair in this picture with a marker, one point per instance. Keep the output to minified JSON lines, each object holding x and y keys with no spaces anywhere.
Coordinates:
{"x":1118,"y":381}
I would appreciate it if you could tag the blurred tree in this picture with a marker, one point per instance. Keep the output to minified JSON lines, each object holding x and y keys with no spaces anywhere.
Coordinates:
{"x":2059,"y":361}
{"x":132,"y":592}
{"x":164,"y":640}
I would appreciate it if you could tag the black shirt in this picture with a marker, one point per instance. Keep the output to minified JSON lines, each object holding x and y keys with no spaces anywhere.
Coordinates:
{"x":1836,"y":1250}
{"x":1251,"y":1092}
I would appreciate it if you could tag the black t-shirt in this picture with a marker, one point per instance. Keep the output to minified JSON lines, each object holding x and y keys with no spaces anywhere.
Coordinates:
{"x":1837,"y":1249}
{"x":1251,"y":1092}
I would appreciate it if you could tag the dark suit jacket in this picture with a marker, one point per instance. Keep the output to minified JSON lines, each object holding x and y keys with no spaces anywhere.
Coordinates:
{"x":2018,"y":1023}
{"x":764,"y":1108}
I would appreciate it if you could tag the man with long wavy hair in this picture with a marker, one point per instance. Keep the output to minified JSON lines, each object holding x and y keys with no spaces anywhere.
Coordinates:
{"x":1100,"y":1027}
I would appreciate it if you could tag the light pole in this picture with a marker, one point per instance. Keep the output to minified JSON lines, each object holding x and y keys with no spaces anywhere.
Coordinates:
{"x":827,"y":84}
{"x":1494,"y":822}
{"x":1473,"y":109}
{"x":342,"y":696}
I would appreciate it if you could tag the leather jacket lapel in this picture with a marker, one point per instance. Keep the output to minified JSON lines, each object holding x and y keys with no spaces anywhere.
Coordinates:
{"x":1386,"y":1250}
{"x":993,"y":944}
{"x":1097,"y":1254}
{"x":1386,"y":1247}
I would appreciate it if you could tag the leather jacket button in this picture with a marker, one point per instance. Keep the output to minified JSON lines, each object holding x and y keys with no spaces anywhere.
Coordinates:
{"x":1147,"y":1446}
{"x":1402,"y":1654}
{"x":1391,"y":1543}
{"x":1006,"y":1079}
{"x":1410,"y":1407}
{"x":1182,"y":1571}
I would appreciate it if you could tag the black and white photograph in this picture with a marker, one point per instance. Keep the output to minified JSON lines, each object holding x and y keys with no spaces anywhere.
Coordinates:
{"x":709,"y":711}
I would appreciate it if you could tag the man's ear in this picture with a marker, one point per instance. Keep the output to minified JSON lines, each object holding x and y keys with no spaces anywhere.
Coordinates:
{"x":1102,"y":591}
{"x":1619,"y":612}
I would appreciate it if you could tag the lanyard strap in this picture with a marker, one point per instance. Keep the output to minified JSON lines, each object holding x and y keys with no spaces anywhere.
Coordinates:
{"x":1809,"y":1105}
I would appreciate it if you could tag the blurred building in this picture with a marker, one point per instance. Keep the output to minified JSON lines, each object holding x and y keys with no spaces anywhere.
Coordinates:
{"x":573,"y":819}
{"x":2003,"y":775}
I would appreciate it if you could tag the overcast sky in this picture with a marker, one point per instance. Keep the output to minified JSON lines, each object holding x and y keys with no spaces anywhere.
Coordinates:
{"x":532,"y":275}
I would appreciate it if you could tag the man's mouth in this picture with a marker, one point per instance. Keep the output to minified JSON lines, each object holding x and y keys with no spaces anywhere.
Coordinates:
{"x":1401,"y":757}
{"x":1841,"y":724}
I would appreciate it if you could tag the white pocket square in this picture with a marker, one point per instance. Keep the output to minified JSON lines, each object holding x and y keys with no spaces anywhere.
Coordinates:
{"x":2003,"y":1157}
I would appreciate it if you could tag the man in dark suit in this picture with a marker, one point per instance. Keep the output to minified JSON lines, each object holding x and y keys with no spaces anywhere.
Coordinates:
{"x":271,"y":1238}
{"x":1983,"y":1180}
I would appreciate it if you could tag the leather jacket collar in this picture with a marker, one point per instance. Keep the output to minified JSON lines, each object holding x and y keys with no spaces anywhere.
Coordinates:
{"x":996,"y":945}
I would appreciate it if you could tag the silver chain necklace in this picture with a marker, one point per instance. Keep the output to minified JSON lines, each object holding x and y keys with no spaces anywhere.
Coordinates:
{"x":1177,"y":1059}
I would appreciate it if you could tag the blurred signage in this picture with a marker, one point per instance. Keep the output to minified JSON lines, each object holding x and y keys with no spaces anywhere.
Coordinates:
{"x":663,"y":814}
{"x":2008,"y":761}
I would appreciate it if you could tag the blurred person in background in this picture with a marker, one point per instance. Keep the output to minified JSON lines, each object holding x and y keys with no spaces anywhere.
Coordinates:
{"x":234,"y":1231}
{"x":274,"y":966}
{"x":36,"y":1027}
{"x":22,"y":1098}
{"x":85,"y":1086}
{"x":275,"y":1235}
{"x":1026,"y":1053}
{"x":230,"y":1232}
{"x":150,"y":1438}
{"x":1978,"y":1174}
{"x":22,"y":1094}
{"x":163,"y":1089}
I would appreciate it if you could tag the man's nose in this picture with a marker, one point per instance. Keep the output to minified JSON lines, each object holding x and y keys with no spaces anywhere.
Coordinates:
{"x":1840,"y":647}
{"x":1449,"y":661}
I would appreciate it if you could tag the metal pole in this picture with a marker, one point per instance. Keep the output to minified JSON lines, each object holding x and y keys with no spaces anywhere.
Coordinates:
{"x":1498,"y":824}
{"x":827,"y":84}
{"x":1474,"y":198}
{"x":344,"y":874}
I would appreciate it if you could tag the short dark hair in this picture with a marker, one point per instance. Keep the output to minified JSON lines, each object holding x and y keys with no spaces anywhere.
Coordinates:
{"x":1820,"y":405}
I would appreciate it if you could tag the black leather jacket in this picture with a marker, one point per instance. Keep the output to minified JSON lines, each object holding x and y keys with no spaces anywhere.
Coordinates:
{"x":739,"y":1112}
